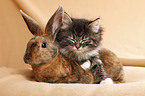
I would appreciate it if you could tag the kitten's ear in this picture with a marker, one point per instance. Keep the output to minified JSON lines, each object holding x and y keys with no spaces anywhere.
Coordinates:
{"x":32,"y":25}
{"x":66,"y":20}
{"x":95,"y":24}
{"x":54,"y":23}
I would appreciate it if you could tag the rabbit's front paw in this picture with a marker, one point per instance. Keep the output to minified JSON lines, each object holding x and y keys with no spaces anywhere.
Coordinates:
{"x":107,"y":81}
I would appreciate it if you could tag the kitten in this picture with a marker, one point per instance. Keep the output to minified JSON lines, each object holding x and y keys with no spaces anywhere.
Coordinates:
{"x":80,"y":40}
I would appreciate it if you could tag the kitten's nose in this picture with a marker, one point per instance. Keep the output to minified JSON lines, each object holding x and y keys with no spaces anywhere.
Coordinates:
{"x":78,"y":45}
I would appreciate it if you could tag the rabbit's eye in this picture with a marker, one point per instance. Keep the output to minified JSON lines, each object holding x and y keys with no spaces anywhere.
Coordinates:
{"x":43,"y":45}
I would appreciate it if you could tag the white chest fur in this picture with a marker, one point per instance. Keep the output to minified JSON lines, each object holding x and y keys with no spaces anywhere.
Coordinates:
{"x":86,"y":65}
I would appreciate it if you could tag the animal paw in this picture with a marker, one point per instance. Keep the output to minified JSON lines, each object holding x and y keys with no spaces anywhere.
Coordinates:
{"x":86,"y":65}
{"x":107,"y":81}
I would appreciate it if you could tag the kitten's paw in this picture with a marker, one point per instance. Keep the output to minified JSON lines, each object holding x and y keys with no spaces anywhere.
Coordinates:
{"x":107,"y":81}
{"x":86,"y":65}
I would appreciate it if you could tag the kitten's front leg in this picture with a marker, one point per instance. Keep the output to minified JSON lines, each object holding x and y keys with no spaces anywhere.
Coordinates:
{"x":99,"y":72}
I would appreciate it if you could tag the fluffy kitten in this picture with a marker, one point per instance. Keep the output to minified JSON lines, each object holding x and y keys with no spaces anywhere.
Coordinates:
{"x":80,"y":39}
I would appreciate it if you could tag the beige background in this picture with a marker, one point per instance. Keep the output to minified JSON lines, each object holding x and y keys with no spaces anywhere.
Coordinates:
{"x":123,"y":22}
{"x":13,"y":35}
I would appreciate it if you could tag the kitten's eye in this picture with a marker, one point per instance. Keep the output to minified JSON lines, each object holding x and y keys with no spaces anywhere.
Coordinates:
{"x":85,"y":41}
{"x":43,"y":45}
{"x":88,"y":42}
{"x":72,"y":40}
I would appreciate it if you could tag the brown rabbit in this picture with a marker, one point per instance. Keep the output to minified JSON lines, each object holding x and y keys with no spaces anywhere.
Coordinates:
{"x":42,"y":54}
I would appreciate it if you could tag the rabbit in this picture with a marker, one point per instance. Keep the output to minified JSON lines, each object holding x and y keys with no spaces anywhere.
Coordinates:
{"x":48,"y":65}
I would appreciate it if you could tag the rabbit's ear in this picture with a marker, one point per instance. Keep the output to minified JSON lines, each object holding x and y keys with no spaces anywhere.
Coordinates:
{"x":32,"y":24}
{"x":54,"y":23}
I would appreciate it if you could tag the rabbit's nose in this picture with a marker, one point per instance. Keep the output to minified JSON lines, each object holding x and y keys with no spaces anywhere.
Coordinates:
{"x":26,"y":59}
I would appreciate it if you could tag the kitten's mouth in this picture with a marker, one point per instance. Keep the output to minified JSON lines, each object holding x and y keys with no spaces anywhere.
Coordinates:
{"x":78,"y":50}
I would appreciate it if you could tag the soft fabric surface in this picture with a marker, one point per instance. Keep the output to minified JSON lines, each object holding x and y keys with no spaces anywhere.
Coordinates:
{"x":18,"y":82}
